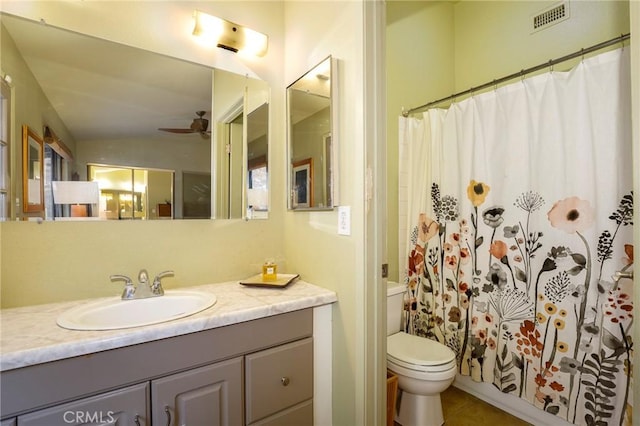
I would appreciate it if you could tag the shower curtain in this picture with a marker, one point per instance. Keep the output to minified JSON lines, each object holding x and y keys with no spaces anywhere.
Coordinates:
{"x":520,"y":210}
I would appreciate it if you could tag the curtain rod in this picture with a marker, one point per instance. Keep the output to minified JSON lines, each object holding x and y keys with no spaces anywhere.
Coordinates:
{"x":522,"y":73}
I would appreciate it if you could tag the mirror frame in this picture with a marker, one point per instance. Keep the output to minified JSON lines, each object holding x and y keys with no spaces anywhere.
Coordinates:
{"x":332,"y":178}
{"x":30,"y":137}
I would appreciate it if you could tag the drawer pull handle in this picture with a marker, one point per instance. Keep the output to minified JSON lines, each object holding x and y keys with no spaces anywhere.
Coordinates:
{"x":166,"y":410}
{"x":136,"y":420}
{"x":284,"y":380}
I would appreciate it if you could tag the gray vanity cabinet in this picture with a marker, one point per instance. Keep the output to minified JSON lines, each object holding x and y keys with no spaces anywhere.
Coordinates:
{"x":122,"y":407}
{"x":210,"y":395}
{"x":257,"y":372}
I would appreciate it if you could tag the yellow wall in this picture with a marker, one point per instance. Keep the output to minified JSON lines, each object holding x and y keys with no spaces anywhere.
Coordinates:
{"x":493,"y":39}
{"x":50,"y":262}
{"x":315,"y":30}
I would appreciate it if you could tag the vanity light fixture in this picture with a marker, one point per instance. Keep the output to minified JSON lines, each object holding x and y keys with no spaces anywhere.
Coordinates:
{"x":228,"y":35}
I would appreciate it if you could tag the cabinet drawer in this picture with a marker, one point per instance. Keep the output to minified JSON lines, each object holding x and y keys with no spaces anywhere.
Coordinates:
{"x":278,"y":378}
{"x":118,"y":408}
{"x":298,"y":415}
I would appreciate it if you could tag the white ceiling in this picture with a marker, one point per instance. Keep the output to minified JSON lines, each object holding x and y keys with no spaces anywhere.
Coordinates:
{"x":104,"y":90}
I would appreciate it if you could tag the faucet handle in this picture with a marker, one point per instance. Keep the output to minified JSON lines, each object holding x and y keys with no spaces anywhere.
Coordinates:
{"x":126,"y":279}
{"x":156,"y":287}
{"x":162,"y":275}
{"x":129,"y":289}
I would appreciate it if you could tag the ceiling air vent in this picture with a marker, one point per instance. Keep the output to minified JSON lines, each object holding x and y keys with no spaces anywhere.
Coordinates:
{"x":550,"y":16}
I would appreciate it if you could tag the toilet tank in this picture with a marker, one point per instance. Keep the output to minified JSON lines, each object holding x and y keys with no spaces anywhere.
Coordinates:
{"x":395,"y":296}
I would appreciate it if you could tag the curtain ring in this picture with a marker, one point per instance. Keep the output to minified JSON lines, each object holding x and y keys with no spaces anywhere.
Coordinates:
{"x":582,"y":54}
{"x":495,"y":85}
{"x":522,"y":75}
{"x":622,"y":41}
{"x":550,"y":65}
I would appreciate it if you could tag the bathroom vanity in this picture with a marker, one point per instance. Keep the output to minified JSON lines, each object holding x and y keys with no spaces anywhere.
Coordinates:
{"x":248,"y":360}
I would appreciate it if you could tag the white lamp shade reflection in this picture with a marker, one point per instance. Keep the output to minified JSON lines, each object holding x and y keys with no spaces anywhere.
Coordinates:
{"x":75,"y":192}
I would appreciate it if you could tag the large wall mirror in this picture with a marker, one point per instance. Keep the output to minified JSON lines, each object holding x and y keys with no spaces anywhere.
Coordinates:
{"x":312,"y":142}
{"x":115,"y":107}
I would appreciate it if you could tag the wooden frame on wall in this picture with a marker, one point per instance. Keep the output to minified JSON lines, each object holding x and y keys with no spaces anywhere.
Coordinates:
{"x":32,"y":171}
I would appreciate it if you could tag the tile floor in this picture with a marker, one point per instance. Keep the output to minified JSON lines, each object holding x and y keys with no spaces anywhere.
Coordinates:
{"x":463,"y":409}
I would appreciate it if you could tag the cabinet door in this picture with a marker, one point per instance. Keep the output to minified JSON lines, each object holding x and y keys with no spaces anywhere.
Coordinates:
{"x":278,"y":378}
{"x":8,"y":422}
{"x":210,"y":395}
{"x":122,"y":407}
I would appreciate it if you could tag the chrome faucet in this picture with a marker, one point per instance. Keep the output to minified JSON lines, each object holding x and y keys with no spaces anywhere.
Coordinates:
{"x":144,"y":289}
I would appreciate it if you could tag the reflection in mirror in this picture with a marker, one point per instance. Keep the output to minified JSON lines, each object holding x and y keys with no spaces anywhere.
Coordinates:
{"x":107,"y":102}
{"x":228,"y":135}
{"x":311,"y":142}
{"x":5,"y":151}
{"x":32,"y":171}
{"x":257,"y":164}
{"x":240,"y":137}
{"x":127,"y":193}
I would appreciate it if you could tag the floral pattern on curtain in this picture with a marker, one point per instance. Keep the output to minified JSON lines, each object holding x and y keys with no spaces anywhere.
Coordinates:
{"x":518,"y":281}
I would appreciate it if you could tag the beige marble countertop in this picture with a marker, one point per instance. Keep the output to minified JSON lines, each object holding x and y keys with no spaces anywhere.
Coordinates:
{"x":31,"y":336}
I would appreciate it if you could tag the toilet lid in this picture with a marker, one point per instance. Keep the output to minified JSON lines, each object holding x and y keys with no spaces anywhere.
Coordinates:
{"x":416,"y":350}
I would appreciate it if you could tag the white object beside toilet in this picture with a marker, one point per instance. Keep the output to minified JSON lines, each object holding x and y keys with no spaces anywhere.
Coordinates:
{"x":425,"y":368}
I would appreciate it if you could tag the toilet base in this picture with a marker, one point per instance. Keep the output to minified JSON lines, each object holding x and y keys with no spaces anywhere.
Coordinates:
{"x":419,"y":410}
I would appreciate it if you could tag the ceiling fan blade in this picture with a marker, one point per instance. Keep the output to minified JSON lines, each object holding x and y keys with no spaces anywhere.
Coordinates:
{"x":198,"y":125}
{"x":177,"y":130}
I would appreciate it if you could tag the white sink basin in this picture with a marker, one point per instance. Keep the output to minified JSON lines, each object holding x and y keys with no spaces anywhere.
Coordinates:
{"x":116,"y":313}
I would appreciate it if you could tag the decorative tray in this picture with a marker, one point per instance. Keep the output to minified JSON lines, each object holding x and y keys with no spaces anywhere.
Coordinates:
{"x":281,"y":281}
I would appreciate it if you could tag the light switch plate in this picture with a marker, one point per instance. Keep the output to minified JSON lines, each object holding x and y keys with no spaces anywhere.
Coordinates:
{"x":344,"y":220}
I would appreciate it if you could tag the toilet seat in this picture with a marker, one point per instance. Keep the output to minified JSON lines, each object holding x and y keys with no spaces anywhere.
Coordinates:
{"x":429,"y":376}
{"x":419,"y":353}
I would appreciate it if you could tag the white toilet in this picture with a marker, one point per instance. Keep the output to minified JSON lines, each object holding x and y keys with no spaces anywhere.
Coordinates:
{"x":424,"y":367}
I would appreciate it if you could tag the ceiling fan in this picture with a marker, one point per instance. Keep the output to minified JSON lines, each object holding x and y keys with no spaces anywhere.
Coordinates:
{"x":198,"y":125}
